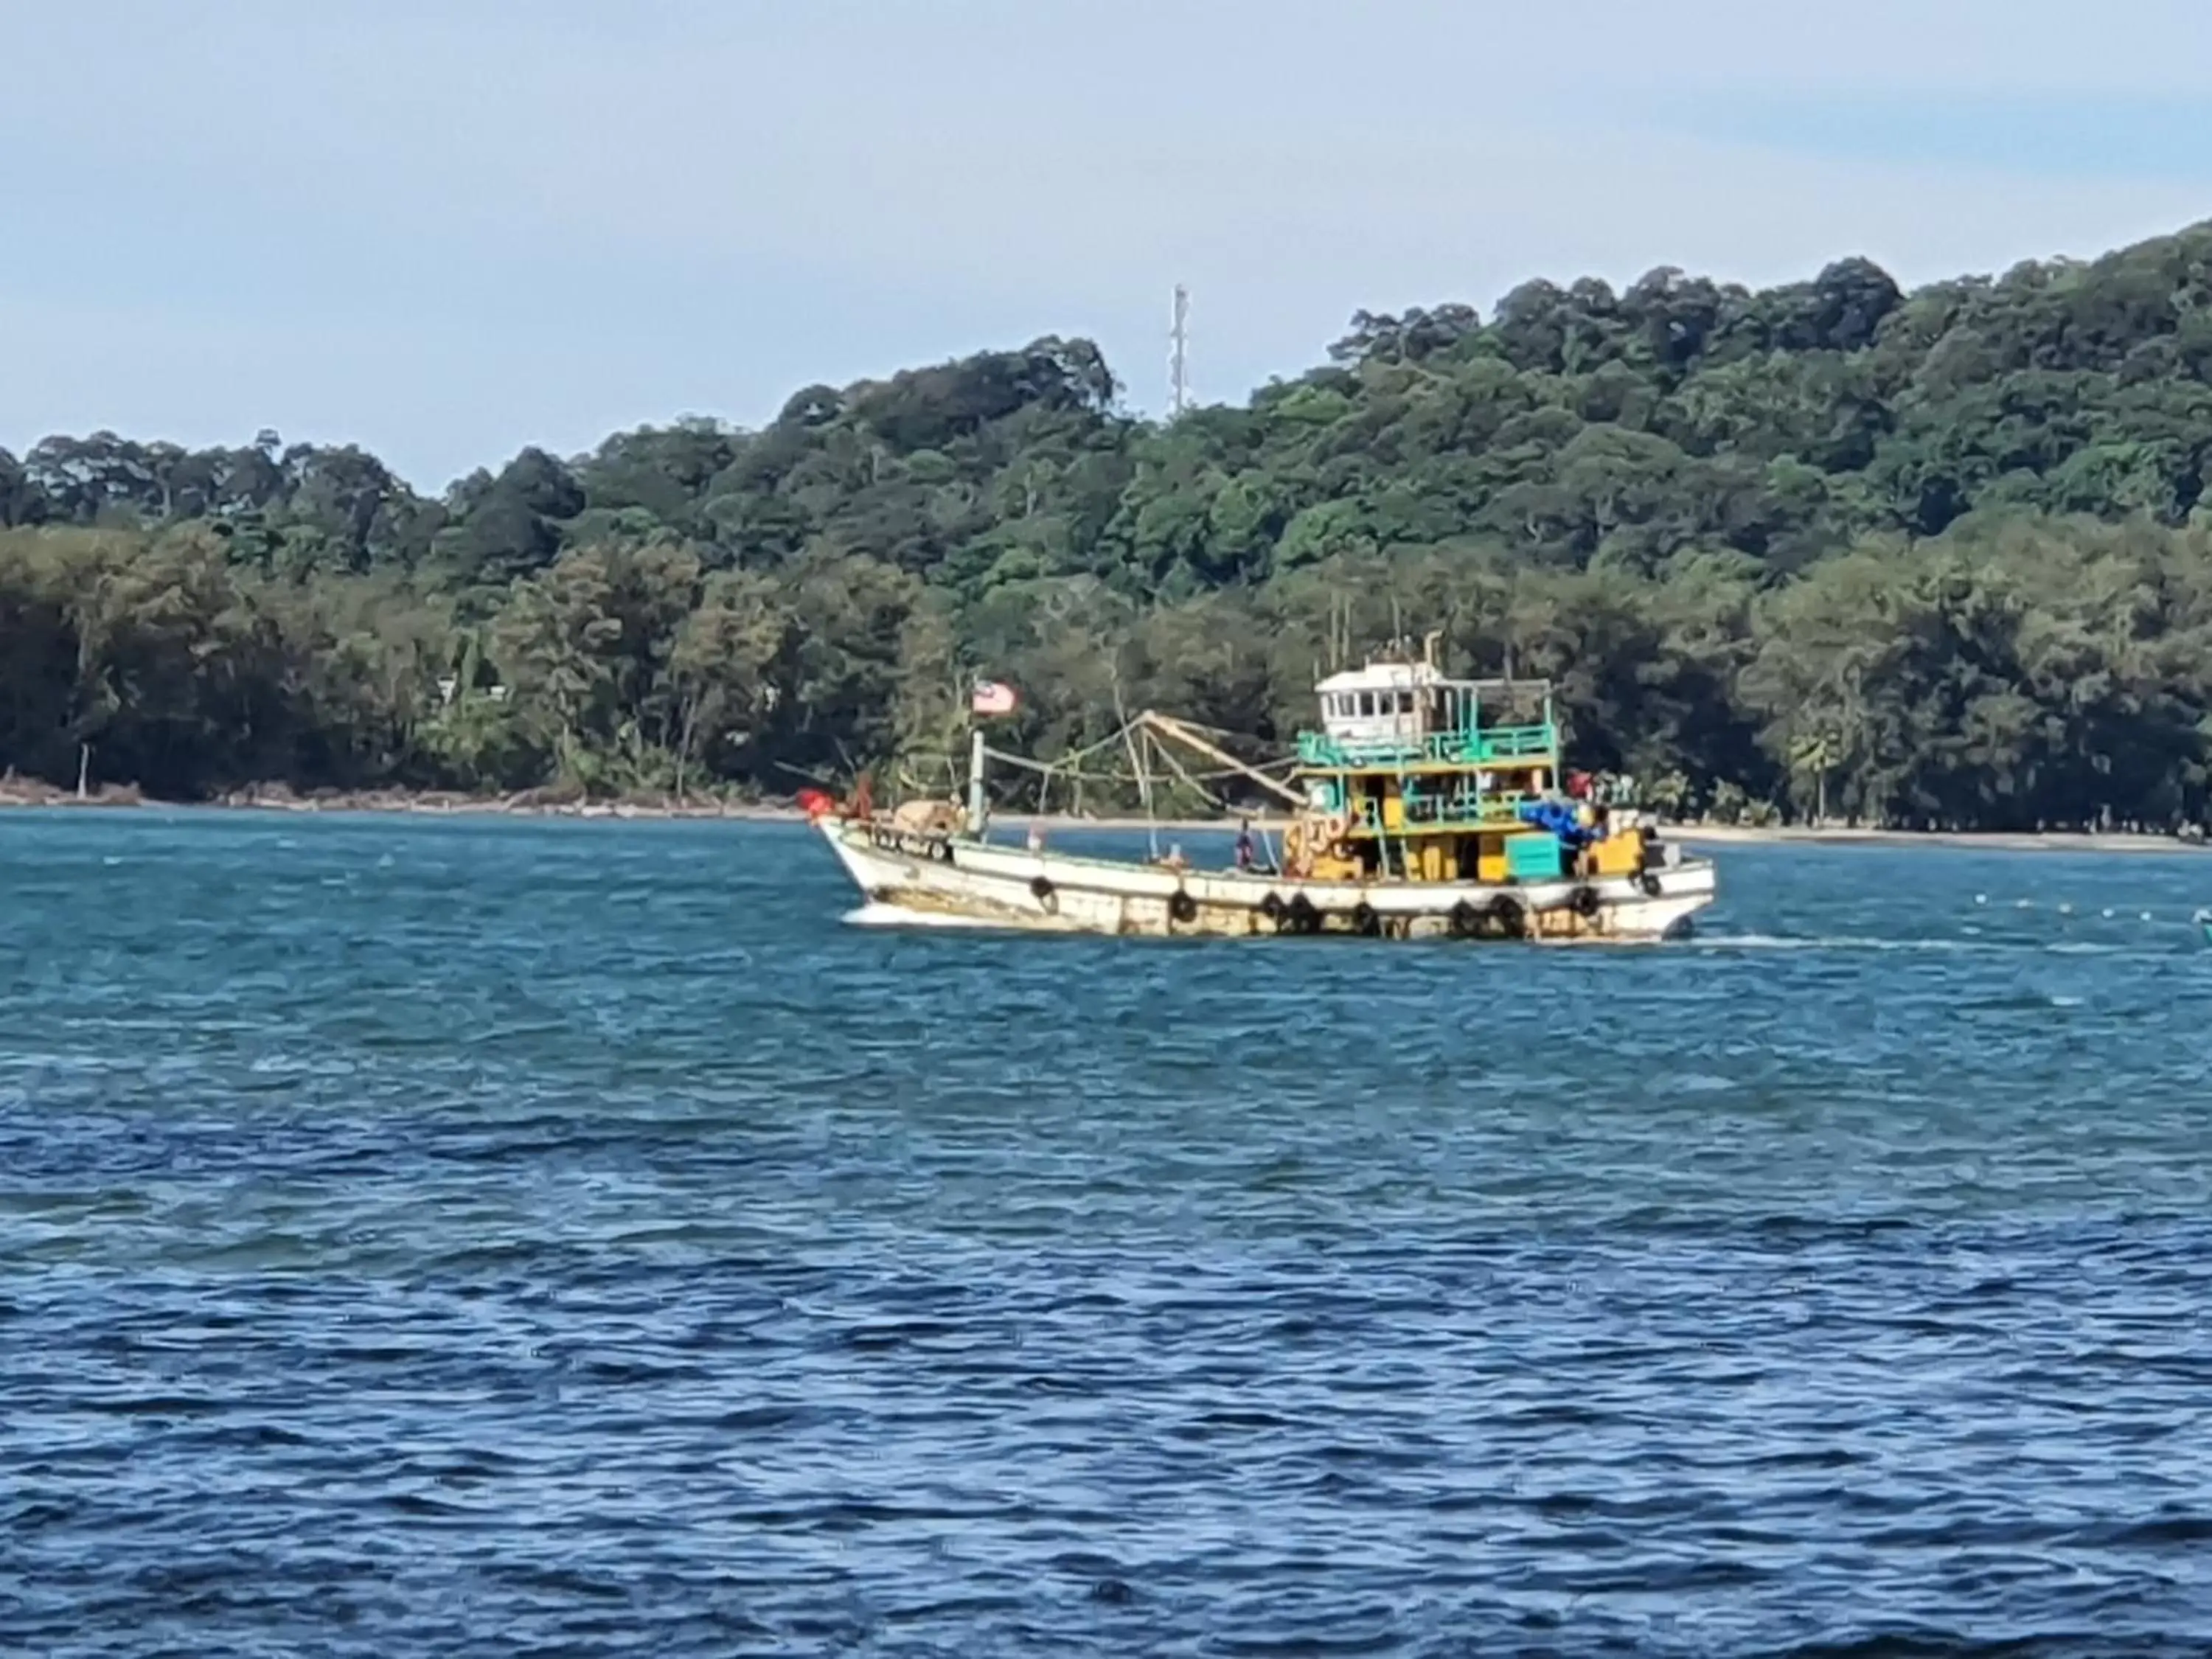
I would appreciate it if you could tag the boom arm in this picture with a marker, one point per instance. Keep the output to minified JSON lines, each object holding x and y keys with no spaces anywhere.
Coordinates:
{"x":1176,"y":732}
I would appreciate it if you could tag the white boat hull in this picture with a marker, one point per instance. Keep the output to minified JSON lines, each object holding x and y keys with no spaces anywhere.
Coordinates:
{"x":1014,"y":887}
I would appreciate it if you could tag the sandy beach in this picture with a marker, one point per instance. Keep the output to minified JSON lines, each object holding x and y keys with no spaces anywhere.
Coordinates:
{"x":2048,"y":840}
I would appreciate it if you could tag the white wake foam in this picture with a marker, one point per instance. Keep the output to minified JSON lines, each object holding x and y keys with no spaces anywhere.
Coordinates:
{"x":874,"y":914}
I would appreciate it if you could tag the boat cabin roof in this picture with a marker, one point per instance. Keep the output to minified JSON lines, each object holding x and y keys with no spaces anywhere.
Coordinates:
{"x":1382,"y":677}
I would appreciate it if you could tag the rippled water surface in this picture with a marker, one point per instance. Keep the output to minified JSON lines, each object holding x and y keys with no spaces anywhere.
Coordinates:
{"x":426,"y":1236}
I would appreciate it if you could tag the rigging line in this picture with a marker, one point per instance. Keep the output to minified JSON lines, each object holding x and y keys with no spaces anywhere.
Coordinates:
{"x":1022,"y":761}
{"x":1175,"y":766}
{"x":1069,"y":762}
{"x":1136,"y":759}
{"x":1063,"y":769}
{"x":1219,"y":773}
{"x":1057,"y":768}
{"x":1210,"y":730}
{"x":1106,"y":741}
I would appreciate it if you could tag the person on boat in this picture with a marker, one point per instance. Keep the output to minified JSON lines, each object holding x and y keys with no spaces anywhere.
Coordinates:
{"x":1174,"y":859}
{"x":1244,"y":844}
{"x":1037,"y":836}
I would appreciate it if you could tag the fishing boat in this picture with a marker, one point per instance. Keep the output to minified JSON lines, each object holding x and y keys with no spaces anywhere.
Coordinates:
{"x":1420,"y":806}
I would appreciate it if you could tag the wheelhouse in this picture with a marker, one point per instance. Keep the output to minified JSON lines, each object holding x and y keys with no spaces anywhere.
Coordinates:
{"x":1424,"y":777}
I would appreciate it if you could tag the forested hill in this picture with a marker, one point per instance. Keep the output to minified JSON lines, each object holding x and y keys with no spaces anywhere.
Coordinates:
{"x":1941,"y":554}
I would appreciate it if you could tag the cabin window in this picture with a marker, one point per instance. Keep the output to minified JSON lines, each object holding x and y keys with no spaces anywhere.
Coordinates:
{"x":1366,"y":705}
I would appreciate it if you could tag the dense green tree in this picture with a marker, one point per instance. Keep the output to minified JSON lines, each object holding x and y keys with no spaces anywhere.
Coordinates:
{"x":1939,"y":556}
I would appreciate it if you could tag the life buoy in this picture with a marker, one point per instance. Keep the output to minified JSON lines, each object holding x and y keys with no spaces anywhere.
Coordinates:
{"x":1182,"y":906}
{"x":1046,"y":895}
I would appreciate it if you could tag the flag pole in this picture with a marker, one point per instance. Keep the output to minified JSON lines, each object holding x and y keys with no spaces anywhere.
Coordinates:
{"x":975,"y":779}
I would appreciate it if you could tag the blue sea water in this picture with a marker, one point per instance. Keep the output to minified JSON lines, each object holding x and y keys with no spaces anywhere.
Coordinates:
{"x":439,"y":1236}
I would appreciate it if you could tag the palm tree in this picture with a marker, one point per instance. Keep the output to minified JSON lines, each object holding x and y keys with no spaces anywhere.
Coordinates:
{"x":1816,"y":755}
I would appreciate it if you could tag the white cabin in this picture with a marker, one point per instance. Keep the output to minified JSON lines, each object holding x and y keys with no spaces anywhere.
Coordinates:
{"x":1382,"y":704}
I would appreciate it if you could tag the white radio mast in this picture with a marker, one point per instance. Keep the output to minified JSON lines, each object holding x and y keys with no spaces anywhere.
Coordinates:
{"x":1179,"y":354}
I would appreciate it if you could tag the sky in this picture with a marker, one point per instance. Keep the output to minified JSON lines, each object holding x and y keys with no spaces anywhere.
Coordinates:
{"x":445,"y":229}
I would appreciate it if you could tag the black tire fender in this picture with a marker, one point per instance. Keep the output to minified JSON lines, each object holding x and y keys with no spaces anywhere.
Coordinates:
{"x":1182,"y":906}
{"x":1585,"y":903}
{"x":1046,"y":895}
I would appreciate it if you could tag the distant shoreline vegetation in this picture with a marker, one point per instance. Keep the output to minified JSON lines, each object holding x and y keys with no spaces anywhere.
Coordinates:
{"x":1830,"y":551}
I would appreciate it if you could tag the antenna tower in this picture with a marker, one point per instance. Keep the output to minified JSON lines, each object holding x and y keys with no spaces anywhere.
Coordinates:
{"x":1179,"y":354}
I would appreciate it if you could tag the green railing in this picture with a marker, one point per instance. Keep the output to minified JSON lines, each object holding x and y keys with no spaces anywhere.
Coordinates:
{"x":1496,"y":743}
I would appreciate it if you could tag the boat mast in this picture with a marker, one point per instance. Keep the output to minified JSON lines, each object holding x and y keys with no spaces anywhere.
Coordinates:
{"x":975,"y":781}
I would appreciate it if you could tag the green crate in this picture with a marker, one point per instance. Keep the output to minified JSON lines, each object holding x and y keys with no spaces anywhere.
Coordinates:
{"x":1534,"y":857}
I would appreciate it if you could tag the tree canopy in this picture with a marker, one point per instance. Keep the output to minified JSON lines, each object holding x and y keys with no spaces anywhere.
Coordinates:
{"x":1930,"y":557}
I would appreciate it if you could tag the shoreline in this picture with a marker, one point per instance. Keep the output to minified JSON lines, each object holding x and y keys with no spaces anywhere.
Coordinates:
{"x":21,"y":793}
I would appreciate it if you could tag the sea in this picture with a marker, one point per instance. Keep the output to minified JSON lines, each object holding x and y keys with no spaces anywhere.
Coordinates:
{"x":475,"y":1235}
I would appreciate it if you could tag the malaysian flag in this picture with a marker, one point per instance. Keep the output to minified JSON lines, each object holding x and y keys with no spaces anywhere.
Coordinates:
{"x":992,"y":697}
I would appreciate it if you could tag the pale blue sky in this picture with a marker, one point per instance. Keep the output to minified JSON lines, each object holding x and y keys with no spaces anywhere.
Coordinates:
{"x":446,"y":230}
